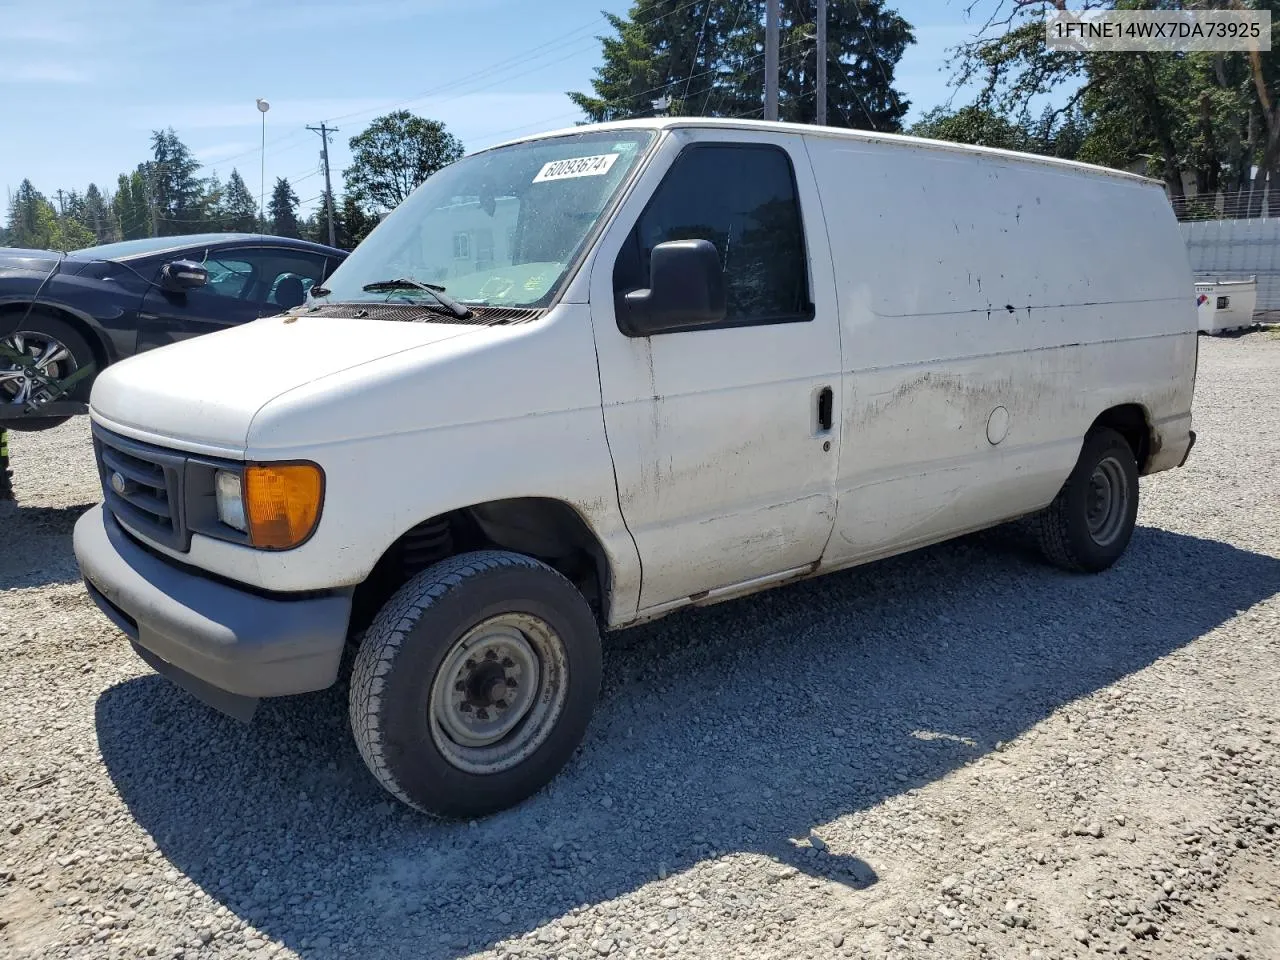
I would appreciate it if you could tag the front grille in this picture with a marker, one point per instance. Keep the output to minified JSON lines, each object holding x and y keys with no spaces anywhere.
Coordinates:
{"x":481,"y":316}
{"x":142,"y":486}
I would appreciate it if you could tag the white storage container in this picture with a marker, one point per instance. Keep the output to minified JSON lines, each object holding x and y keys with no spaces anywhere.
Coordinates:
{"x":1225,"y":305}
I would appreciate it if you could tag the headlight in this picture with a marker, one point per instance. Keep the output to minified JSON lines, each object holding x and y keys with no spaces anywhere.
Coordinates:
{"x":277,"y":505}
{"x":230,"y":500}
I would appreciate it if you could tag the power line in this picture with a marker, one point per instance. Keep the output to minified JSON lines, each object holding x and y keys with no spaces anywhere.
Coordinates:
{"x":551,"y":46}
{"x":559,"y":44}
{"x":875,"y":55}
{"x":538,"y":124}
{"x":693,"y":63}
{"x":742,"y":5}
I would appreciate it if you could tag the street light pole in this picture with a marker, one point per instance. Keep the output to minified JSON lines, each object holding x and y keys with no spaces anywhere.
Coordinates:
{"x":263,"y":107}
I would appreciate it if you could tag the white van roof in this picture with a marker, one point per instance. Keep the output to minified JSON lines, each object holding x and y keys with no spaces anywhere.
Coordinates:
{"x":865,"y":136}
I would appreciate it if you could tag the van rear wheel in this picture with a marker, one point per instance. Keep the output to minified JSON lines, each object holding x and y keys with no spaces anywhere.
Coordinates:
{"x":1088,"y":526}
{"x":475,"y":683}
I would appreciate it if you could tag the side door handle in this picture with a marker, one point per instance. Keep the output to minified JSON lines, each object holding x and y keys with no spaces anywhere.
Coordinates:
{"x":825,"y":399}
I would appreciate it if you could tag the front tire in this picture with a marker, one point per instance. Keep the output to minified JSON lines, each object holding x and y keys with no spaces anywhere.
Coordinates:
{"x":1088,"y":526}
{"x":57,"y":349}
{"x":475,"y":683}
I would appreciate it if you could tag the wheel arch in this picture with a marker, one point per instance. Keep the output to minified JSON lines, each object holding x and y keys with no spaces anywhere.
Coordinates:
{"x":83,"y":323}
{"x":546,"y":528}
{"x":1133,"y":422}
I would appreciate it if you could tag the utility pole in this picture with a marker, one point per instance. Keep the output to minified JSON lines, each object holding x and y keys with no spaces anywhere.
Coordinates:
{"x":771,"y":60}
{"x":821,"y":80}
{"x":328,"y":187}
{"x":62,"y":211}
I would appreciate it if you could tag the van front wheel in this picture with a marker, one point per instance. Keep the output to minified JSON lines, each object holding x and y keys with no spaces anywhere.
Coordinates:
{"x":475,"y":683}
{"x":1088,"y":526}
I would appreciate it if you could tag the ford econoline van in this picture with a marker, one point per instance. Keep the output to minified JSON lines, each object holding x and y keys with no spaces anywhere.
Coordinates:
{"x":585,"y":379}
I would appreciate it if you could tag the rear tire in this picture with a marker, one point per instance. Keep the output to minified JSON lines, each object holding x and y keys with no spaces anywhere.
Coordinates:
{"x":475,"y":683}
{"x":1088,"y":526}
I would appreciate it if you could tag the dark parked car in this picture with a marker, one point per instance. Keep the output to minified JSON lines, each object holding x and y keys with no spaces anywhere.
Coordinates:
{"x":102,"y":304}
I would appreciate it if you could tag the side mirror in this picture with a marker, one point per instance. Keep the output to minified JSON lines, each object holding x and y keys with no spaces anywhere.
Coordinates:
{"x":686,"y":291}
{"x":181,"y":275}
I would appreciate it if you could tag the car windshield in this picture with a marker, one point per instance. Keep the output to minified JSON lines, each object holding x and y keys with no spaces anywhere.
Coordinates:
{"x":498,"y":228}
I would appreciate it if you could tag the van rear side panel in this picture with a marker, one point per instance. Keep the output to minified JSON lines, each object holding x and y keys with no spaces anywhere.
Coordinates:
{"x":990,"y":310}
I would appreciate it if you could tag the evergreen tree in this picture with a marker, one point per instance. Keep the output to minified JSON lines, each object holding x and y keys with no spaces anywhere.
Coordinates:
{"x":73,"y":206}
{"x":283,"y":209}
{"x":176,"y":192}
{"x":239,"y":209}
{"x":357,"y":223}
{"x":26,"y":228}
{"x":99,"y":216}
{"x":316,"y":227}
{"x":131,"y":206}
{"x":211,"y":204}
{"x":34,"y":223}
{"x":706,"y":58}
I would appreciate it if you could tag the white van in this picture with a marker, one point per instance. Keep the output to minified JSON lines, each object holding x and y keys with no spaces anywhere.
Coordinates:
{"x":687,"y":360}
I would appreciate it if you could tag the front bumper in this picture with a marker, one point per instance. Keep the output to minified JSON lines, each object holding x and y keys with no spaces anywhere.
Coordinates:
{"x":225,"y":645}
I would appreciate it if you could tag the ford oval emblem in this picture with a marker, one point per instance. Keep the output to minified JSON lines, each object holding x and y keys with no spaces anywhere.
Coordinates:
{"x":117,"y":483}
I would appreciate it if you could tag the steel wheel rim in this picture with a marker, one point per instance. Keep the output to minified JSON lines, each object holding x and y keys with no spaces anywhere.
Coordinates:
{"x":50,"y":356}
{"x":1107,"y":503}
{"x":498,"y":693}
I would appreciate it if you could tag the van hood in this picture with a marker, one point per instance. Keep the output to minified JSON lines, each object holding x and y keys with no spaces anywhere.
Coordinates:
{"x":203,"y":393}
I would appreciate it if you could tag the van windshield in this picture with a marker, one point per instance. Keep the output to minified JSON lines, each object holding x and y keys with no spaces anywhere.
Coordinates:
{"x":498,"y":228}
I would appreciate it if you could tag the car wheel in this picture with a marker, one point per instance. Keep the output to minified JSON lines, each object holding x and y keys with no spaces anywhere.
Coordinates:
{"x":475,"y":683}
{"x":56,"y":350}
{"x":1088,"y":526}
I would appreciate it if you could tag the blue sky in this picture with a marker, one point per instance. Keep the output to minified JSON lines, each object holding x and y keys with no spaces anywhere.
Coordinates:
{"x":83,"y":82}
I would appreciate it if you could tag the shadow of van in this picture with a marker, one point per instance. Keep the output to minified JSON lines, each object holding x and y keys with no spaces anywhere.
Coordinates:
{"x":736,"y":728}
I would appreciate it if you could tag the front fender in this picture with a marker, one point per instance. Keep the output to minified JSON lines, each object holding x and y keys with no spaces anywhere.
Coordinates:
{"x":106,"y":319}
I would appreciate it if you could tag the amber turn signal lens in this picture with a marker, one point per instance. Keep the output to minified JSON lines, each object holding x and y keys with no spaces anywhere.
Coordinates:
{"x":282,"y":503}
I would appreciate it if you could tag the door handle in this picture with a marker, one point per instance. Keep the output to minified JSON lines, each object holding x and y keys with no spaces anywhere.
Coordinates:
{"x":825,"y":399}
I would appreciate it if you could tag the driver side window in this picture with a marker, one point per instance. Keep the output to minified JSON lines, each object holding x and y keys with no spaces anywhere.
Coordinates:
{"x":741,"y":197}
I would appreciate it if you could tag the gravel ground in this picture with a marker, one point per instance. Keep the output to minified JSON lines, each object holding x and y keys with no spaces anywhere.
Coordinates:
{"x":958,"y":753}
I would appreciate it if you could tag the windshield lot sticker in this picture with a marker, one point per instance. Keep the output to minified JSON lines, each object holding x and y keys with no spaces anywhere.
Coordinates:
{"x":596,"y":166}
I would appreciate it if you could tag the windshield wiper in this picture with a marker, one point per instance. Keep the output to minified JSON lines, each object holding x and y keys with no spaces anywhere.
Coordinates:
{"x":437,"y":291}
